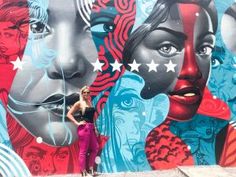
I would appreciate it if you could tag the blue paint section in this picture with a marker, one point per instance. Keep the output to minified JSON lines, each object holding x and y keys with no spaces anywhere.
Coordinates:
{"x":11,"y":164}
{"x":4,"y":136}
{"x":222,"y":81}
{"x":143,"y":10}
{"x":127,"y":119}
{"x":200,"y":136}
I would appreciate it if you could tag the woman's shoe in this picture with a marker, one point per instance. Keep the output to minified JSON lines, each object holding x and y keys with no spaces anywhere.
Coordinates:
{"x":91,"y":172}
{"x":84,"y":173}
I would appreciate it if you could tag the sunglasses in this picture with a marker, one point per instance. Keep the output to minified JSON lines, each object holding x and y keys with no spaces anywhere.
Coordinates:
{"x":86,"y":92}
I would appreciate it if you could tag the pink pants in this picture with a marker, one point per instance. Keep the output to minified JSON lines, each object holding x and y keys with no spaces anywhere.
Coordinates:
{"x":87,"y":144}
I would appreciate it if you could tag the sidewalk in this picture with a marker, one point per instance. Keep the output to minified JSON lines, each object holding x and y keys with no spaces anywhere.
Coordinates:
{"x":197,"y":171}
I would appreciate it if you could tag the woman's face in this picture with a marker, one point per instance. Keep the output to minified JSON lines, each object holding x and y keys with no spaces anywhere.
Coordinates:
{"x":181,"y":46}
{"x":86,"y":94}
{"x":58,"y":62}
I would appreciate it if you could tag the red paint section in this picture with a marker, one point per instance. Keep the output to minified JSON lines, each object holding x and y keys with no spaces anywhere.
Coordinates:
{"x":228,"y":156}
{"x":213,"y":107}
{"x":112,"y":47}
{"x":190,"y":78}
{"x":14,"y":28}
{"x":165,"y":150}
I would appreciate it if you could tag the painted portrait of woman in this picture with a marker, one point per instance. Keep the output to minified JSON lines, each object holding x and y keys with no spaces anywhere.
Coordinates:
{"x":173,"y":38}
{"x":127,"y":119}
{"x":165,"y":39}
{"x":59,"y":58}
{"x":55,"y":65}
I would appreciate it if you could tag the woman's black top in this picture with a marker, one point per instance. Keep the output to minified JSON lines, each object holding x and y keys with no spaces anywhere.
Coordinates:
{"x":88,"y":115}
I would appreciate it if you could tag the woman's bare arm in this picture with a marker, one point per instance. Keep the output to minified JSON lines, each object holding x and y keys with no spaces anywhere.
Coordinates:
{"x":70,"y":113}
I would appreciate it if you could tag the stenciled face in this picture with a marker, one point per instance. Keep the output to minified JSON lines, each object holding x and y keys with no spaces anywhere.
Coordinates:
{"x":130,"y":120}
{"x":222,"y":82}
{"x":9,"y":40}
{"x":45,"y":161}
{"x":182,"y":47}
{"x":56,"y":64}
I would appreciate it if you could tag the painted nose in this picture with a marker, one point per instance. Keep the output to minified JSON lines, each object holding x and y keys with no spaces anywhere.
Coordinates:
{"x":67,"y":69}
{"x":48,"y":168}
{"x":190,"y":70}
{"x":68,"y":64}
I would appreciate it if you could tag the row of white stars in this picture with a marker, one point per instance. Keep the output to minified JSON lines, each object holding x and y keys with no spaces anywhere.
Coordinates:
{"x":115,"y":66}
{"x":134,"y":66}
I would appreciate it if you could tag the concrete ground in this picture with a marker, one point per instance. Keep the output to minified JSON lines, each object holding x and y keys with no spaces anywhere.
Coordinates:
{"x":197,"y":171}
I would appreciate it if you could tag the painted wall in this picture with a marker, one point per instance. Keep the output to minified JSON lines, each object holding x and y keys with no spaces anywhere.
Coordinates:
{"x":162,"y":77}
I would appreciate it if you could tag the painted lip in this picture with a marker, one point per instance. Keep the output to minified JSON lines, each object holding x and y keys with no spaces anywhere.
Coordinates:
{"x":59,"y":104}
{"x":186,"y":95}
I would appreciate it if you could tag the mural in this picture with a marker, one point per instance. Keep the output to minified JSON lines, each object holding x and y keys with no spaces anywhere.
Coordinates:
{"x":161,"y":73}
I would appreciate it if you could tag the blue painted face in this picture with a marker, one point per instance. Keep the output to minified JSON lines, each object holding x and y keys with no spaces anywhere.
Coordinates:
{"x":222,"y":82}
{"x":126,"y":120}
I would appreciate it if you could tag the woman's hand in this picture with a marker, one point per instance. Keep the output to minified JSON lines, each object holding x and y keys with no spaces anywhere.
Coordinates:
{"x":80,"y":123}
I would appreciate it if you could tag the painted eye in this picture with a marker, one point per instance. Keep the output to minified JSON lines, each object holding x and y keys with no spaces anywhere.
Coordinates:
{"x":39,"y":29}
{"x":127,"y":102}
{"x":215,"y":62}
{"x":103,"y":28}
{"x":205,"y":50}
{"x":167,"y":50}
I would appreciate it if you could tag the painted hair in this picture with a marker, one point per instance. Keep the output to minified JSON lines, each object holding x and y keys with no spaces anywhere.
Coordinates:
{"x":159,"y":15}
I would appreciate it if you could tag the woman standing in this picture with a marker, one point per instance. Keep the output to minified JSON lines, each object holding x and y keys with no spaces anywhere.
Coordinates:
{"x":86,"y":130}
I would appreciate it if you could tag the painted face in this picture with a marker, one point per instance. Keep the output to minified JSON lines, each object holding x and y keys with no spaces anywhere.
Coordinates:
{"x":56,"y":63}
{"x":45,"y":161}
{"x":181,"y":46}
{"x":222,"y":82}
{"x":127,"y":111}
{"x":9,"y":40}
{"x":132,"y":118}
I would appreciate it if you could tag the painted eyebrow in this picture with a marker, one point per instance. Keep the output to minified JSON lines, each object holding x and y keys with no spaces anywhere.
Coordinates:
{"x":38,"y":149}
{"x":173,"y":32}
{"x":206,"y":34}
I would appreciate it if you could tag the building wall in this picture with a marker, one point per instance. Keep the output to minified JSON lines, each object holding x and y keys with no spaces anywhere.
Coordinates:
{"x":161,"y":74}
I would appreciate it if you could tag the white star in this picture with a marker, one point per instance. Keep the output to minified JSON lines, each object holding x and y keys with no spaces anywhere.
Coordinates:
{"x":134,"y":66}
{"x":170,"y":66}
{"x":152,"y":66}
{"x":116,"y":66}
{"x":97,"y":65}
{"x":17,"y":64}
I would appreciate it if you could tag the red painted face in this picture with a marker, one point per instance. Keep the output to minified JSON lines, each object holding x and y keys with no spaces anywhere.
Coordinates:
{"x":13,"y":38}
{"x":45,"y":160}
{"x":187,"y":93}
